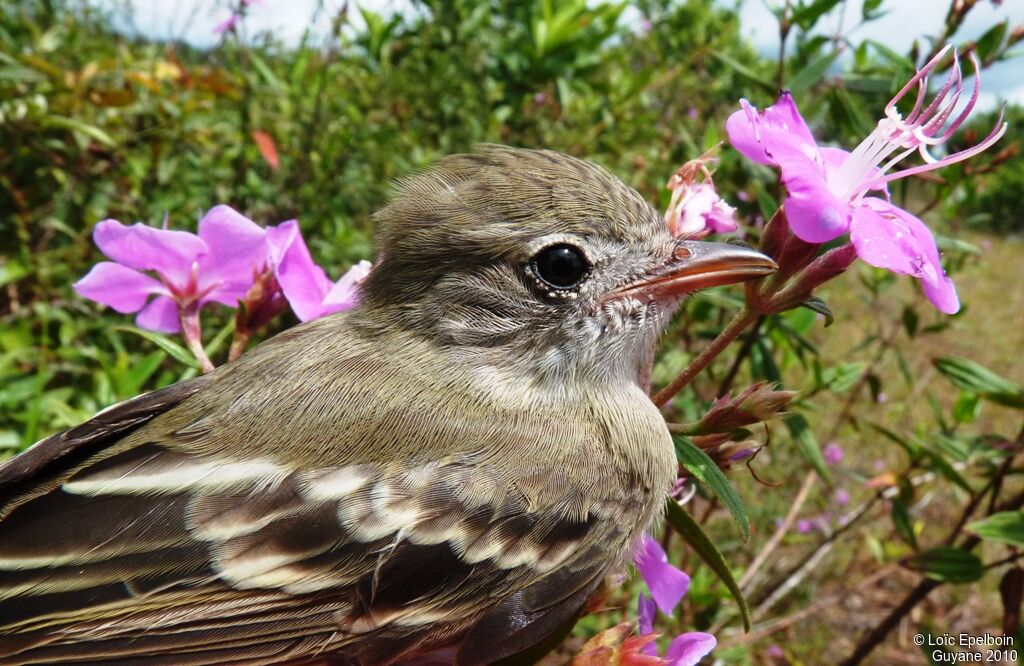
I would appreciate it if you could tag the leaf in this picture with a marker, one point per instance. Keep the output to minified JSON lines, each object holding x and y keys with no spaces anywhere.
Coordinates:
{"x":821,"y":307}
{"x":700,"y":464}
{"x":807,"y":444}
{"x":692,"y":533}
{"x":949,"y":565}
{"x":973,"y":377}
{"x":841,"y":377}
{"x":1002,"y":527}
{"x":177,"y":352}
{"x":75,"y":125}
{"x":893,"y":57}
{"x":901,"y":520}
{"x":743,"y":71}
{"x":812,"y":73}
{"x":135,"y":378}
{"x":989,"y":44}
{"x":807,"y":15}
{"x":869,"y":10}
{"x":966,"y":407}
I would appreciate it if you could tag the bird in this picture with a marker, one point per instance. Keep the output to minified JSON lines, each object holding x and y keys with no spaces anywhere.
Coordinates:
{"x":445,"y":472}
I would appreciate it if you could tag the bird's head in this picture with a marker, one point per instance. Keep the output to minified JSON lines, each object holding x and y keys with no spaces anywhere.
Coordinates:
{"x":538,"y":262}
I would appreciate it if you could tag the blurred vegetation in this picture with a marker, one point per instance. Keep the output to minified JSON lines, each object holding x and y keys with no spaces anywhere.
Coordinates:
{"x":96,"y":124}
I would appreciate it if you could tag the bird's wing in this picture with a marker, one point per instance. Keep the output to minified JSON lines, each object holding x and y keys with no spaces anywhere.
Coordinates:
{"x":170,"y":544}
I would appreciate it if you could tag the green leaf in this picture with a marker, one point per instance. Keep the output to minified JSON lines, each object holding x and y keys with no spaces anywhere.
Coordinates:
{"x":821,"y":307}
{"x":971,"y":376}
{"x":807,"y":15}
{"x":812,"y":73}
{"x":949,"y":565}
{"x":989,"y":44}
{"x":841,"y":377}
{"x":901,"y":520}
{"x":75,"y":125}
{"x":967,"y":407}
{"x":869,"y":10}
{"x":1004,"y":527}
{"x":692,"y":533}
{"x":893,"y":57}
{"x":141,"y":371}
{"x":743,"y":70}
{"x":698,"y":463}
{"x":177,"y":352}
{"x":807,"y":444}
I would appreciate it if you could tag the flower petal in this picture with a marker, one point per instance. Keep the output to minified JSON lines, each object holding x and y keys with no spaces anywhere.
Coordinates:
{"x":815,"y":215}
{"x":769,"y":136}
{"x":345,"y":292}
{"x":161,"y":315}
{"x":118,"y":287}
{"x":169,"y":253}
{"x":645,"y":609}
{"x":889,"y":237}
{"x":303,"y":282}
{"x":237,"y":252}
{"x":688,"y":649}
{"x":743,"y":128}
{"x":279,"y":238}
{"x":667,"y":583}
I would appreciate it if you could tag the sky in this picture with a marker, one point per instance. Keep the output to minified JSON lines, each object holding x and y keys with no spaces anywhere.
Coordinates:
{"x":906,"y":20}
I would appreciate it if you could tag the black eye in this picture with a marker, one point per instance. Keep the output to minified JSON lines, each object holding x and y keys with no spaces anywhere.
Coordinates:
{"x":562,"y":266}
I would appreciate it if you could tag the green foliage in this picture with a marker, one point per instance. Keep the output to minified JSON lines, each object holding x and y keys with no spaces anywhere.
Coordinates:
{"x":949,"y":565}
{"x":691,"y":532}
{"x":700,"y":465}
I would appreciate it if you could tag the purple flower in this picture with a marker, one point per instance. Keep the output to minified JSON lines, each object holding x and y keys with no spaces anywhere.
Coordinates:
{"x":306,"y":286}
{"x":833,"y":453}
{"x":667,"y":583}
{"x":803,"y":526}
{"x":228,"y":24}
{"x":774,"y":651}
{"x":189,"y":270}
{"x":695,"y":206}
{"x":829,"y":188}
{"x":842,"y":497}
{"x":684,"y":650}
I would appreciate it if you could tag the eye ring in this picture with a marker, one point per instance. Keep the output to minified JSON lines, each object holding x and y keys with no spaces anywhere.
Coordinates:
{"x":561,"y":266}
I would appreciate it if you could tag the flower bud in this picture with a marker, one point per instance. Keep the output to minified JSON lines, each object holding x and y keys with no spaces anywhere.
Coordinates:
{"x":756,"y":403}
{"x":695,"y":207}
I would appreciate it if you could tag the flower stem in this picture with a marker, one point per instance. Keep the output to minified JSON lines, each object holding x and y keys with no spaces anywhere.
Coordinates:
{"x":739,"y":323}
{"x":238,"y":345}
{"x":192,"y":332}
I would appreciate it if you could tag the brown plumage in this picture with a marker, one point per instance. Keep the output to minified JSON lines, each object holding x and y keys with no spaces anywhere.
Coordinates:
{"x":450,"y":468}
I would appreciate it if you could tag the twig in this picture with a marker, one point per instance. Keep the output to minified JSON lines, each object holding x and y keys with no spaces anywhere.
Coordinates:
{"x":776,"y":539}
{"x":740,"y":322}
{"x":741,"y":355}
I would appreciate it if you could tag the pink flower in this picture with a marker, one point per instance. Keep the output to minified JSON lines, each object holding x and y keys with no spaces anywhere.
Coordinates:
{"x":833,"y":453}
{"x":228,"y":24}
{"x":842,"y":497}
{"x":667,"y":583}
{"x":829,"y":188}
{"x":684,"y":650}
{"x":181,"y":269}
{"x":306,"y":286}
{"x":695,"y":206}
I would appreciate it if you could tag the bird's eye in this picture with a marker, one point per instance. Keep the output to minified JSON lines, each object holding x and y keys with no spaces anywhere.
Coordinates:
{"x":562,"y":266}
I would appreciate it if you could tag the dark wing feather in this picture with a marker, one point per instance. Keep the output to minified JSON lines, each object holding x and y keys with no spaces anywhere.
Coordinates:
{"x":75,"y":445}
{"x":188,"y":527}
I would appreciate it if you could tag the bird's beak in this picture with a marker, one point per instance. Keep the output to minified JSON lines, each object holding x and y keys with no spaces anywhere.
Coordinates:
{"x":698,"y":265}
